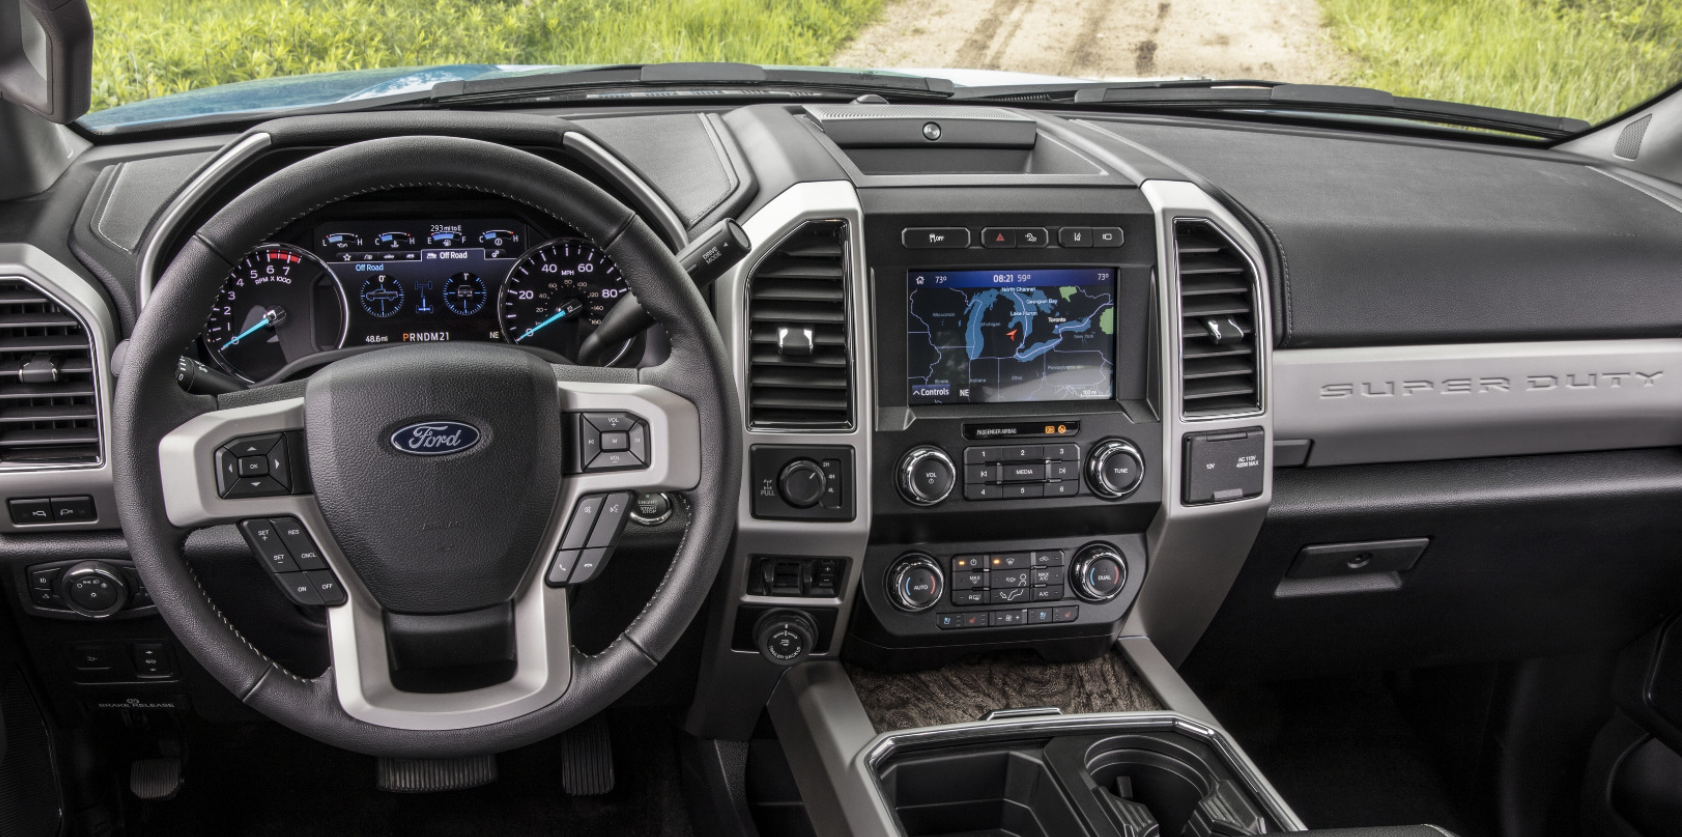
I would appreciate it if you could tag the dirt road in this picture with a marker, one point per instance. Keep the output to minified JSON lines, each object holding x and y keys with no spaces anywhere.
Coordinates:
{"x":1105,"y":39}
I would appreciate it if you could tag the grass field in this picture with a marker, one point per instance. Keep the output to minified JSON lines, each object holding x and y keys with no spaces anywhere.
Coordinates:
{"x":148,"y":48}
{"x":1590,"y":59}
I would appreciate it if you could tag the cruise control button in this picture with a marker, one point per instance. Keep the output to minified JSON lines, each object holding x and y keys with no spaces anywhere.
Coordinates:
{"x":326,"y":587}
{"x":265,"y":542}
{"x":298,"y":542}
{"x":298,"y":588}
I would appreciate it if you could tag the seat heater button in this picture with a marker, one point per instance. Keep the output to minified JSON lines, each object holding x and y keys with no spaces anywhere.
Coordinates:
{"x":1039,"y":616}
{"x":326,"y":586}
{"x":266,"y":544}
{"x":298,"y":542}
{"x":1065,"y":613}
{"x":298,"y":588}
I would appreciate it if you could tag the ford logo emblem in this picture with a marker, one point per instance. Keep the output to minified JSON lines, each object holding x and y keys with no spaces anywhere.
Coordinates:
{"x":435,"y":438}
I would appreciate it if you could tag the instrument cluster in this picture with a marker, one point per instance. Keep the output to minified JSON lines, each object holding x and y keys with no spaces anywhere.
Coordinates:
{"x":354,"y":282}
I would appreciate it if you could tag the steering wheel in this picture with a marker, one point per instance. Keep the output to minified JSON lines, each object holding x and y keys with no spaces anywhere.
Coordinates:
{"x":443,"y":560}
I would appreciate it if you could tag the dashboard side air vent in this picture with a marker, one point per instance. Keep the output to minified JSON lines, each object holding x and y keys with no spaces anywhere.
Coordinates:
{"x":49,"y":412}
{"x":1218,"y":351}
{"x":799,"y":356}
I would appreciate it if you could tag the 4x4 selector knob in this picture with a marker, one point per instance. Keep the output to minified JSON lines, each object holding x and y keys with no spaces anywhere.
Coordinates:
{"x":1098,"y":573}
{"x":785,"y":637}
{"x":1115,"y":469}
{"x":915,"y":583}
{"x":926,"y":476}
{"x":802,"y":483}
{"x":93,"y":589}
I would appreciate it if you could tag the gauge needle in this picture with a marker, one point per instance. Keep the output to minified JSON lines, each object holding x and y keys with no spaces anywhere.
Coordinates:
{"x":571,"y":306}
{"x":270,"y":317}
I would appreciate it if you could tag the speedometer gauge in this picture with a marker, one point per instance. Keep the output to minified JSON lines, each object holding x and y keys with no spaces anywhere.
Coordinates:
{"x":557,"y":294}
{"x":279,"y":303}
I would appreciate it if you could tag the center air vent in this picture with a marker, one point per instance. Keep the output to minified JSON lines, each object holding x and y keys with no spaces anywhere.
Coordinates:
{"x":1218,"y":352}
{"x":49,"y":413}
{"x":799,"y":374}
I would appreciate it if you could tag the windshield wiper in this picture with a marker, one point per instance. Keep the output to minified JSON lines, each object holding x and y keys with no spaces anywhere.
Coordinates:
{"x":691,"y":78}
{"x":1276,"y":97}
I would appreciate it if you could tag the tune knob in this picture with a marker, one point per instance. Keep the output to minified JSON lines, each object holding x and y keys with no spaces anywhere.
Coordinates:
{"x":93,"y":589}
{"x":802,"y":483}
{"x":785,"y":637}
{"x":1098,"y":573}
{"x":915,"y":583}
{"x":1115,"y":469}
{"x":926,"y":476}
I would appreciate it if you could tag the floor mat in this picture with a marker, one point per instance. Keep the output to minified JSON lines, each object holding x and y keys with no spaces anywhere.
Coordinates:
{"x":263,"y":781}
{"x":1339,"y":751}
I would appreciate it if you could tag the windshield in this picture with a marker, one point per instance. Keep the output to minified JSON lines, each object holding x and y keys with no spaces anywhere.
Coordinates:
{"x":162,"y":60}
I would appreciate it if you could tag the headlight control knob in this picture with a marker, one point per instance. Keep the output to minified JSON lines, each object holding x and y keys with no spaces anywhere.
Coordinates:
{"x":926,"y":476}
{"x":1098,"y":573}
{"x":1115,"y":469}
{"x":93,"y":589}
{"x":915,"y":583}
{"x":785,"y":637}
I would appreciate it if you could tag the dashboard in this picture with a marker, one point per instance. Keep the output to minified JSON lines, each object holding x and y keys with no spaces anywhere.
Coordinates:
{"x":1092,"y":380}
{"x":348,"y":281}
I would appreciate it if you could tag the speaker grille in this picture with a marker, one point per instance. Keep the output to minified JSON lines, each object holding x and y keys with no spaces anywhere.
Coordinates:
{"x":1629,"y":141}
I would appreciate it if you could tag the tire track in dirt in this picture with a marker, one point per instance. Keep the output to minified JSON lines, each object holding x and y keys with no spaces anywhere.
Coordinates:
{"x":1277,"y":39}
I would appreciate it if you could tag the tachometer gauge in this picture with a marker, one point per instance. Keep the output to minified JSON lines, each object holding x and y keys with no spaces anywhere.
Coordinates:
{"x":278,"y":304}
{"x":557,"y":294}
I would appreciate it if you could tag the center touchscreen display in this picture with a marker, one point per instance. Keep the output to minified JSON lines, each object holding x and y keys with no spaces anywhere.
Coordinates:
{"x":985,"y":336}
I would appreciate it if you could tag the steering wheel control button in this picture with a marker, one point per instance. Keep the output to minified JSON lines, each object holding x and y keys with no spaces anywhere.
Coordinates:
{"x":266,"y":545}
{"x":1098,"y":573}
{"x":915,"y":583}
{"x":1224,"y":465}
{"x":802,"y":483}
{"x":327,"y":587}
{"x":297,"y":541}
{"x":254,"y":466}
{"x":299,"y":589}
{"x":590,"y":537}
{"x":609,"y":442}
{"x":1115,"y":469}
{"x":785,"y":637}
{"x":93,"y":589}
{"x":926,"y":476}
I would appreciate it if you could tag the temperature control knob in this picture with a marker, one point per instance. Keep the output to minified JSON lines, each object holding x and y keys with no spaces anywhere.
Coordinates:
{"x":915,"y":583}
{"x":785,"y":637}
{"x":93,"y":589}
{"x":1115,"y":469}
{"x":926,"y":476}
{"x":1098,"y":573}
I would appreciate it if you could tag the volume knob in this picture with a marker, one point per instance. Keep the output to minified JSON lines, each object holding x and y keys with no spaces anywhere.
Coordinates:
{"x":926,"y":476}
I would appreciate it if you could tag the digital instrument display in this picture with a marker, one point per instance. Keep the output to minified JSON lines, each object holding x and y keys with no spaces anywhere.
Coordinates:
{"x":1010,"y":335}
{"x":421,"y":281}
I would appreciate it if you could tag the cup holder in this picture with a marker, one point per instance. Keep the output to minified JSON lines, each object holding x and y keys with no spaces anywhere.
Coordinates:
{"x":1130,"y":784}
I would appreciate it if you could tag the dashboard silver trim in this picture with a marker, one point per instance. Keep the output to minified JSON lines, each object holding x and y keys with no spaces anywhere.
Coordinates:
{"x":1411,"y":403}
{"x":65,"y":286}
{"x":1195,"y":552}
{"x":219,"y":169}
{"x":356,"y":630}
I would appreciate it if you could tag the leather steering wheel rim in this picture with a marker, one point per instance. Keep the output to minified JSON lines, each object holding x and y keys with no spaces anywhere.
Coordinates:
{"x":149,"y":404}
